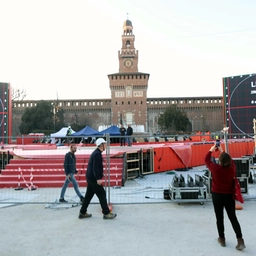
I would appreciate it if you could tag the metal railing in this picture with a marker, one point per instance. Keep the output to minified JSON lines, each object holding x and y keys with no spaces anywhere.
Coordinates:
{"x":143,"y":187}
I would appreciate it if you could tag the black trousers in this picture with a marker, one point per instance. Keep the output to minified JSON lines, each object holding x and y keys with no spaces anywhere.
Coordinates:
{"x":94,"y":188}
{"x":221,"y":201}
{"x":122,"y":141}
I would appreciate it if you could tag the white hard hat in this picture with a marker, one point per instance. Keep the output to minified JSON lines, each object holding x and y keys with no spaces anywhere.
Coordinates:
{"x":100,"y":141}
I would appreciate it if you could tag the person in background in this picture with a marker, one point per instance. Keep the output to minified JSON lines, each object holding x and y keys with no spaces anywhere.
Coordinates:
{"x":223,"y":193}
{"x":122,"y":131}
{"x":70,"y":171}
{"x":94,"y":175}
{"x":129,"y":133}
{"x":68,"y":133}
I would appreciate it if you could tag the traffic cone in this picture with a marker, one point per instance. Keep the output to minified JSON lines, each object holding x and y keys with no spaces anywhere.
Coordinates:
{"x":110,"y":206}
{"x":239,"y":207}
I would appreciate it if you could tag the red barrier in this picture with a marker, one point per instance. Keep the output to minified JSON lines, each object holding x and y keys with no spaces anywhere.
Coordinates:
{"x":171,"y":157}
{"x":239,"y":149}
{"x":165,"y":158}
{"x":236,"y":150}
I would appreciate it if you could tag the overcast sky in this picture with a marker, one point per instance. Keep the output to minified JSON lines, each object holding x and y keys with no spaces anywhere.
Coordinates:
{"x":66,"y":49}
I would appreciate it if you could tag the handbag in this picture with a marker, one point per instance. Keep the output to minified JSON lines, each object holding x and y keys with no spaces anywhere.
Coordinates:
{"x":237,"y":191}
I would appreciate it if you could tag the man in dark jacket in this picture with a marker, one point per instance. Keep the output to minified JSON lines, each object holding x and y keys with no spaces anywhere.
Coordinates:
{"x":70,"y":171}
{"x":129,"y":133}
{"x":122,"y":131}
{"x":94,"y":175}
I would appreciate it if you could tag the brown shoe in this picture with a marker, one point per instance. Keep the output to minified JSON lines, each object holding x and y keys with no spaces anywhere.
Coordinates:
{"x":240,"y":244}
{"x":222,"y":241}
{"x":86,"y":215}
{"x":109,"y":216}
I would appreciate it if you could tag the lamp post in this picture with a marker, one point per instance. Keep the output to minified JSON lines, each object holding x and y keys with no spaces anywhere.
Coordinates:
{"x":121,"y":119}
{"x":192,"y":124}
{"x":54,"y":117}
{"x":225,"y":131}
{"x":55,"y":110}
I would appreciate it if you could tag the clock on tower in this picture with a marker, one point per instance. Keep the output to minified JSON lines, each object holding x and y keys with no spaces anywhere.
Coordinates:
{"x":128,"y":63}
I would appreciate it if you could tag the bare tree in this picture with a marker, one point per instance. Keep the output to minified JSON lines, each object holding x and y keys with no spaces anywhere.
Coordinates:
{"x":18,"y":95}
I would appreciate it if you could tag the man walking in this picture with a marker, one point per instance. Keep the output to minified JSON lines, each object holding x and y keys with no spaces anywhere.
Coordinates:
{"x":94,"y":175}
{"x":70,"y":171}
{"x":129,"y":134}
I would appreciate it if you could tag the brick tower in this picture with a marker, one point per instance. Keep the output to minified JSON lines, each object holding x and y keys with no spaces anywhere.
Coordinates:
{"x":128,"y":86}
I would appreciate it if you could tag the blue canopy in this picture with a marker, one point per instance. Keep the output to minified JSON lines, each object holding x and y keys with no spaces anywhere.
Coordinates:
{"x":112,"y":130}
{"x":86,"y":131}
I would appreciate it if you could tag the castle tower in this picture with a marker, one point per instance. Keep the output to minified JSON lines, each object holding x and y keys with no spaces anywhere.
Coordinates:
{"x":128,"y":86}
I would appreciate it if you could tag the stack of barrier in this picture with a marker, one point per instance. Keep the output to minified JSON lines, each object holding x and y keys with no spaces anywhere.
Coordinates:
{"x":243,"y":171}
{"x":252,"y":178}
{"x":192,"y":190}
{"x":207,"y":180}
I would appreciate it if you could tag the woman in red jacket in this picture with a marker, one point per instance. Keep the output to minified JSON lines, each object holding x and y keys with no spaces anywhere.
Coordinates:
{"x":223,"y":194}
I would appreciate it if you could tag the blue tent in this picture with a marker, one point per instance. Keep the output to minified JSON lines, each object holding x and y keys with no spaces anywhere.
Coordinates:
{"x":87,"y":131}
{"x":112,"y":130}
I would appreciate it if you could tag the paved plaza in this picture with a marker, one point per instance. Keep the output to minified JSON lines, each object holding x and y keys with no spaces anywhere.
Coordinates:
{"x":139,"y":229}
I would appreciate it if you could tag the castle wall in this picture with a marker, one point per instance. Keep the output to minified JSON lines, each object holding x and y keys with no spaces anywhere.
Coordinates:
{"x":204,"y":113}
